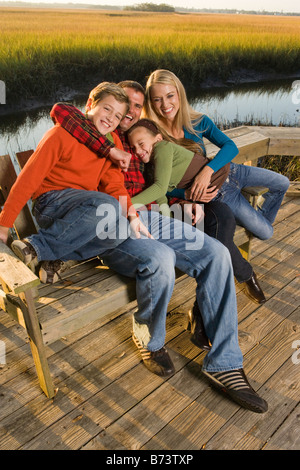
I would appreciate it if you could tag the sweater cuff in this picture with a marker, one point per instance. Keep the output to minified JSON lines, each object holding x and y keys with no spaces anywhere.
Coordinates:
{"x":5,"y":220}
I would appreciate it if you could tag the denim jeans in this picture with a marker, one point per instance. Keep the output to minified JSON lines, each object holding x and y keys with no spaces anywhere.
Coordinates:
{"x":76,"y":224}
{"x":69,"y":224}
{"x":208,"y":262}
{"x":219,"y":223}
{"x":259,"y":222}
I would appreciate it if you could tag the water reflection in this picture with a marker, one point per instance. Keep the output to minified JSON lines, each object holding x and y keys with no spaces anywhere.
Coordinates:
{"x":269,"y":103}
{"x":263,"y":104}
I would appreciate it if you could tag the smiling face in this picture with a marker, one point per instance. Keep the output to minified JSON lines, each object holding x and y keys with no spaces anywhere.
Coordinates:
{"x":107,"y":114}
{"x":136,"y":100}
{"x":165,"y":101}
{"x":142,"y":141}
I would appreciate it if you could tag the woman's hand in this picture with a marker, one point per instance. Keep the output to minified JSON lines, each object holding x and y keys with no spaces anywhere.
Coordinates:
{"x":201,"y":183}
{"x":208,"y":195}
{"x":4,"y":234}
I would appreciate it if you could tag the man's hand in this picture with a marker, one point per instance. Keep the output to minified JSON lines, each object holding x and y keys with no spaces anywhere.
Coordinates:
{"x":4,"y":234}
{"x":120,"y":158}
{"x":137,"y":227}
{"x":193,"y":210}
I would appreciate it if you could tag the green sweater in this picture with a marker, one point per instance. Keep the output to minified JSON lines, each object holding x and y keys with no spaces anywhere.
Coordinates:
{"x":170,"y":164}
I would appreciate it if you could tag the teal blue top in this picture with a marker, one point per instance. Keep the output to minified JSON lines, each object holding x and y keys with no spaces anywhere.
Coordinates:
{"x":206,"y":128}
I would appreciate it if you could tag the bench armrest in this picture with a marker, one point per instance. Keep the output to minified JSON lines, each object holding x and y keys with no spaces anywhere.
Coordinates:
{"x":14,"y":273}
{"x":255,"y":190}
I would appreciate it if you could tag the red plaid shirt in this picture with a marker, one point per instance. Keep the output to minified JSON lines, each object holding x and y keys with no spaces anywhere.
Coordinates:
{"x":80,"y":127}
{"x":134,"y":178}
{"x":75,"y":122}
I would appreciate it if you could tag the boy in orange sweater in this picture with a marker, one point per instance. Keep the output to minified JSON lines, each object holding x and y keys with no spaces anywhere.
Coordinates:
{"x":76,"y":205}
{"x":75,"y":192}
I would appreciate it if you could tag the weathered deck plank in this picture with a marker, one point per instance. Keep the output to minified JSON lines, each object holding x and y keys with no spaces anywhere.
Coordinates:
{"x":156,"y":415}
{"x":108,"y":400}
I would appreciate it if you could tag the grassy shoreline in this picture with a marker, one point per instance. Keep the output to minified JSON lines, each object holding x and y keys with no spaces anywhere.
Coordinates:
{"x":42,"y":51}
{"x":46,"y":55}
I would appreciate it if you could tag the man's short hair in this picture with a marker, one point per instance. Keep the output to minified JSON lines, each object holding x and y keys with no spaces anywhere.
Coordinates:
{"x":132,"y":84}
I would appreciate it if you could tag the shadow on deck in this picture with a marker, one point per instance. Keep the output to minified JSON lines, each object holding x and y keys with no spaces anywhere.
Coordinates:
{"x":108,"y":400}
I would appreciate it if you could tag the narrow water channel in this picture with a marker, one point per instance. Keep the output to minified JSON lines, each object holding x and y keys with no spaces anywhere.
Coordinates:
{"x":271,"y":103}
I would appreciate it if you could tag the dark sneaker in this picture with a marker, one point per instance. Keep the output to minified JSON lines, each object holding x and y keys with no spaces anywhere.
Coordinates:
{"x":25,"y":252}
{"x":158,"y":362}
{"x":50,"y":271}
{"x":235,"y":385}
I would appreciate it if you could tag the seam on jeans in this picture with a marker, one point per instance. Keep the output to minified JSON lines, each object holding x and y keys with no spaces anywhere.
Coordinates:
{"x":222,"y":369}
{"x":117,"y":248}
{"x":217,"y":230}
{"x":207,"y":297}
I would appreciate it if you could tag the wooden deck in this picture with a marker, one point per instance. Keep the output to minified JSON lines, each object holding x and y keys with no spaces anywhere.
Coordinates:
{"x":108,"y":400}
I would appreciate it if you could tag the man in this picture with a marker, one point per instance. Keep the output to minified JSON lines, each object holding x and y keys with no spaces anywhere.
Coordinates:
{"x":210,"y":265}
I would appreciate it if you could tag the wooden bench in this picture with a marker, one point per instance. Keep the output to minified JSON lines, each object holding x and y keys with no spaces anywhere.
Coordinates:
{"x":88,"y":292}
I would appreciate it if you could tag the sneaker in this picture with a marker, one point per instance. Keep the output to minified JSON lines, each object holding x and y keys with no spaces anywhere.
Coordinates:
{"x":25,"y":252}
{"x":158,"y":362}
{"x":234,"y":384}
{"x":50,"y":271}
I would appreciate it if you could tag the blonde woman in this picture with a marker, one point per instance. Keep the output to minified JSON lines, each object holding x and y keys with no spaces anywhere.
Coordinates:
{"x":167,"y":104}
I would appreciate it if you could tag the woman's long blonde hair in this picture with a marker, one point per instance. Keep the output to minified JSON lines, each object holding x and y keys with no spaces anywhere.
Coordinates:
{"x":186,"y":117}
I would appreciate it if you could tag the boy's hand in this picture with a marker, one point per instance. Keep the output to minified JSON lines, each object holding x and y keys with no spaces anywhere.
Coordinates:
{"x":4,"y":234}
{"x":120,"y":158}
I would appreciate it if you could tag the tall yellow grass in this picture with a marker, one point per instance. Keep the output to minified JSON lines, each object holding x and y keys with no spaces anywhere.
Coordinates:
{"x":43,"y":49}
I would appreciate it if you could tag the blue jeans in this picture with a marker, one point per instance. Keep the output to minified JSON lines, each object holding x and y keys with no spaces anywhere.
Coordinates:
{"x":72,"y":223}
{"x":69,"y":223}
{"x":208,"y":262}
{"x":259,"y":221}
{"x":76,"y":224}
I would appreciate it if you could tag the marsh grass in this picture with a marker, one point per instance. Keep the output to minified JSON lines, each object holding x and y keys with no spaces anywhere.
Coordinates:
{"x":288,"y":166}
{"x":42,"y":50}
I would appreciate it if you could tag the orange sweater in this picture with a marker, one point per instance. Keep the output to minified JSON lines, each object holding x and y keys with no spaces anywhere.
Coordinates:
{"x":61,"y":162}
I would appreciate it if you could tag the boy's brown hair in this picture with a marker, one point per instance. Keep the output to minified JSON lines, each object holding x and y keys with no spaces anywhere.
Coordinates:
{"x":108,"y":88}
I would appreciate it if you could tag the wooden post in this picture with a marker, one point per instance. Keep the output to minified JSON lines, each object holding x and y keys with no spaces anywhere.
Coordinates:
{"x":27,"y":306}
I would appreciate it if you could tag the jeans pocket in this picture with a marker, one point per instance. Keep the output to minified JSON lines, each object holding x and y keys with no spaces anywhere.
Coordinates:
{"x":233,"y":177}
{"x":43,"y":210}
